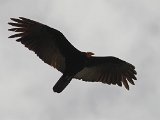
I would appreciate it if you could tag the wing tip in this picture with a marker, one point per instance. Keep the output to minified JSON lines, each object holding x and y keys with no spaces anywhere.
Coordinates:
{"x":10,"y":23}
{"x":10,"y":36}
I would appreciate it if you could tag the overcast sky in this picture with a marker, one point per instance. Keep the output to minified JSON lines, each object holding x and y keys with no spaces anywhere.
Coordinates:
{"x":127,"y":29}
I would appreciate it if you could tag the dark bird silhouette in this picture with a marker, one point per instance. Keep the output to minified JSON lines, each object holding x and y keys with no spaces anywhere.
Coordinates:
{"x":53,"y":48}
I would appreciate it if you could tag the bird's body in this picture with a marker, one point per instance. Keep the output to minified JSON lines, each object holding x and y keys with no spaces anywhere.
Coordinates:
{"x":54,"y":49}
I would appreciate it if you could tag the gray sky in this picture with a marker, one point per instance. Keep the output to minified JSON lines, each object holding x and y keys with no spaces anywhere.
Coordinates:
{"x":127,"y":29}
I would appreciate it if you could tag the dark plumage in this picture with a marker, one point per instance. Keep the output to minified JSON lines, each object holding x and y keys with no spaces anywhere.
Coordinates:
{"x":54,"y":49}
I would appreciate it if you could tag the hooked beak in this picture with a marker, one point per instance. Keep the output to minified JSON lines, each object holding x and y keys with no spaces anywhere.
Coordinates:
{"x":89,"y":54}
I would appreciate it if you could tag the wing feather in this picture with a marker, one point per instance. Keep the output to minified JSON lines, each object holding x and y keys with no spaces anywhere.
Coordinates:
{"x":110,"y":70}
{"x":49,"y":44}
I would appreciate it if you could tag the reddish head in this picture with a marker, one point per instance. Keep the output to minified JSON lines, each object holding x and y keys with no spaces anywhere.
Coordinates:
{"x":89,"y":54}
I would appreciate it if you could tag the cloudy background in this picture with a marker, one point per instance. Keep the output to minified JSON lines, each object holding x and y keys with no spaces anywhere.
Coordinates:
{"x":127,"y":29}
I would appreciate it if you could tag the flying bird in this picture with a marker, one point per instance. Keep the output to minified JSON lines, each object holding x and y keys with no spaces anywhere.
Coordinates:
{"x":53,"y":48}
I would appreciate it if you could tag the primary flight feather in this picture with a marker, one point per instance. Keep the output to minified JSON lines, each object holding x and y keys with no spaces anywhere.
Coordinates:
{"x":53,"y":48}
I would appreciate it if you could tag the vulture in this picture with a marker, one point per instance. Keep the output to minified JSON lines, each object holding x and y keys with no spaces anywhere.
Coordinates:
{"x":51,"y":46}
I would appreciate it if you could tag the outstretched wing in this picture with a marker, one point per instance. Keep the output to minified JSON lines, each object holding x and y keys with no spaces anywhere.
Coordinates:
{"x":48,"y":43}
{"x":108,"y":70}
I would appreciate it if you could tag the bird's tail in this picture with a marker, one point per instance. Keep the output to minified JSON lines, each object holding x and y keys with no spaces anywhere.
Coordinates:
{"x":62,"y":83}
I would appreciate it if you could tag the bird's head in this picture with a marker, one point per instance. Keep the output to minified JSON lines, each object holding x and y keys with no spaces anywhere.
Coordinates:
{"x":89,"y":54}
